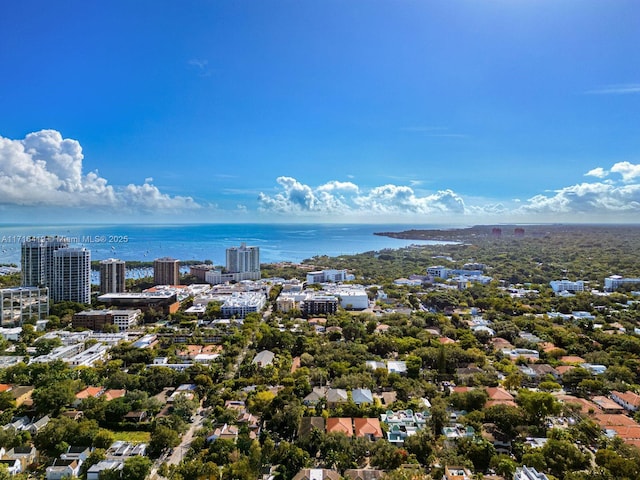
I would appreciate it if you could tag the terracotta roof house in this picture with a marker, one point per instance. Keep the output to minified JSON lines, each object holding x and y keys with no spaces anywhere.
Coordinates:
{"x":112,"y":394}
{"x":572,"y":359}
{"x":90,"y":392}
{"x":607,"y":405}
{"x":368,"y":428}
{"x":343,"y":425}
{"x":499,"y":396}
{"x":628,"y":400}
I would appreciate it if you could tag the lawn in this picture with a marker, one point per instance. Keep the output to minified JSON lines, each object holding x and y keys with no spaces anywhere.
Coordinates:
{"x":134,"y":437}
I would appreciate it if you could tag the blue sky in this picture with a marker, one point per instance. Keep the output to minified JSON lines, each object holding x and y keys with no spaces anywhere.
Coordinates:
{"x":374,"y":111}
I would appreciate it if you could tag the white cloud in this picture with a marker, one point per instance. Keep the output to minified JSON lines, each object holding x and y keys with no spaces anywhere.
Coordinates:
{"x":619,"y":89}
{"x":597,"y":172}
{"x":629,"y":171}
{"x":348,"y":198}
{"x":45,"y":169}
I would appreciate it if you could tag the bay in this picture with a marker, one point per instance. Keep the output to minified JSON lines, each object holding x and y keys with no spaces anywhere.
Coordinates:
{"x":277,"y":242}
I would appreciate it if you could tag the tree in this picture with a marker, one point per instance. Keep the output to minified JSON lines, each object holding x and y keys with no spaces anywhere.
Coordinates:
{"x":136,"y":468}
{"x":162,"y":438}
{"x":50,"y":399}
{"x":537,"y":405}
{"x":421,"y":446}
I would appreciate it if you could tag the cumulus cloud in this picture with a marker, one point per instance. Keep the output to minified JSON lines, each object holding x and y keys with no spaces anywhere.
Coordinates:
{"x":629,"y":171}
{"x":45,"y":169}
{"x":598,"y":172}
{"x":348,"y":198}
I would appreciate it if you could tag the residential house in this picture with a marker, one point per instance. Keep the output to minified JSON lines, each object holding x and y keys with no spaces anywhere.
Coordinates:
{"x":402,"y":424}
{"x":528,"y":473}
{"x":136,"y":416}
{"x":399,"y":367}
{"x":38,"y":425}
{"x":336,"y":396}
{"x":113,"y":393}
{"x":363,"y":474}
{"x":226,"y":432}
{"x":499,"y":396}
{"x":264,"y":358}
{"x":64,"y":469}
{"x":317,"y":394}
{"x":89,"y":392}
{"x":628,"y":400}
{"x":14,"y":466}
{"x":21,"y":394}
{"x":607,"y":405}
{"x":342,"y":425}
{"x":76,"y":453}
{"x":25,"y":455}
{"x":105,"y":465}
{"x":317,"y":474}
{"x":457,"y":473}
{"x":361,"y":396}
{"x":308,"y":424}
{"x":367,"y":427}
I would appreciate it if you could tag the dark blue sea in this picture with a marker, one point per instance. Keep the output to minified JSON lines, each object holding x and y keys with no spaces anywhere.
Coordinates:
{"x":277,"y":242}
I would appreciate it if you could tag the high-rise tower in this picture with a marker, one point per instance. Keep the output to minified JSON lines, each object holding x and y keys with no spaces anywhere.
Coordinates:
{"x":72,"y":275}
{"x":166,"y":271}
{"x":244,"y":260}
{"x":36,"y":260}
{"x":112,"y":276}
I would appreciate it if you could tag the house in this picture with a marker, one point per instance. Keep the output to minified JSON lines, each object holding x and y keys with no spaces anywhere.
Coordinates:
{"x":73,"y":453}
{"x":398,"y":367}
{"x":336,"y":396}
{"x":316,"y":395}
{"x":317,"y":474}
{"x":25,"y":455}
{"x":136,"y":416}
{"x":361,"y":396}
{"x":21,"y":394}
{"x":64,"y":469}
{"x":93,"y":392}
{"x":528,"y":473}
{"x":342,"y":425}
{"x":113,"y":393}
{"x":607,"y":405}
{"x":628,"y":400}
{"x":73,"y":415}
{"x":95,"y":470}
{"x":14,"y":466}
{"x":499,"y":396}
{"x":226,"y":432}
{"x":457,"y":473}
{"x":38,"y":425}
{"x":367,"y":427}
{"x":264,"y":358}
{"x":363,"y":474}
{"x":17,"y":423}
{"x":123,"y":450}
{"x":308,"y":424}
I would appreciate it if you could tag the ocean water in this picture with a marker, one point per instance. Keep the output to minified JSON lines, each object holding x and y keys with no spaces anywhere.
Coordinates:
{"x":277,"y":242}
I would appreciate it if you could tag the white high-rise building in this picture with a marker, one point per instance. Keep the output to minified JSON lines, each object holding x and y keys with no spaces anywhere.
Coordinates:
{"x":244,"y":260}
{"x":112,"y":273}
{"x":72,"y":275}
{"x":36,"y":260}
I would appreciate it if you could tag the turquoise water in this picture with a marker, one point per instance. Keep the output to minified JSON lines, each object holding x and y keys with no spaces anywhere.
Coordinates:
{"x":278,"y":242}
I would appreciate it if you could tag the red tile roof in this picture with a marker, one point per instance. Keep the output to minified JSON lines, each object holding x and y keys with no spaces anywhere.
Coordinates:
{"x":344,"y":425}
{"x":367,"y":426}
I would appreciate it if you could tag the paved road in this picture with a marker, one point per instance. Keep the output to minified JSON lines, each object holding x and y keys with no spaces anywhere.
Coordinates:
{"x":178,"y":452}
